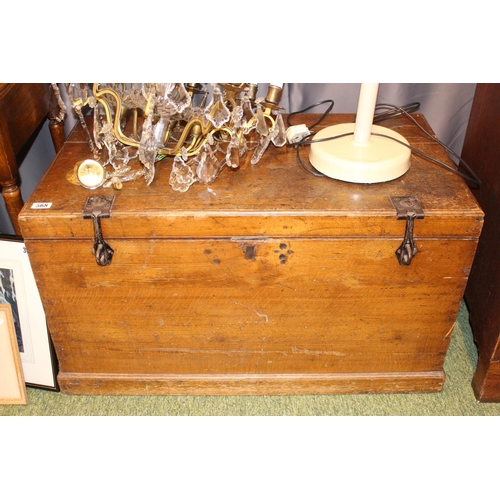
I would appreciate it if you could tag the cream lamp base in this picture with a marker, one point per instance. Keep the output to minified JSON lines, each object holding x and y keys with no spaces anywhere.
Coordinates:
{"x":379,"y":160}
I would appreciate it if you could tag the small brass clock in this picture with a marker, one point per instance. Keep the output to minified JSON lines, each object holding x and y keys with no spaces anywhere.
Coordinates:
{"x":90,"y":174}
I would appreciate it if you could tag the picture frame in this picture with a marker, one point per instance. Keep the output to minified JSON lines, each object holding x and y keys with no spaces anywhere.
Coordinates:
{"x":18,"y":288}
{"x":12,"y":385}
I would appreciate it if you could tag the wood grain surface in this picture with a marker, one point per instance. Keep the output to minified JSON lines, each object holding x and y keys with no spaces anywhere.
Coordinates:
{"x":482,"y":294}
{"x":267,"y":281}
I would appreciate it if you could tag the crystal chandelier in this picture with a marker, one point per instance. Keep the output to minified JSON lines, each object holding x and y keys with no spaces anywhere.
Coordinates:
{"x":202,"y":130}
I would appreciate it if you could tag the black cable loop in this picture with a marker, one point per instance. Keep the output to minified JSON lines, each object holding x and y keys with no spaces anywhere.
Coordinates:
{"x":332,"y":103}
{"x":473,"y":177}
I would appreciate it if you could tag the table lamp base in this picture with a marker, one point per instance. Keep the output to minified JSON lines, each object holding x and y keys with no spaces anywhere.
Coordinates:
{"x":381,"y":159}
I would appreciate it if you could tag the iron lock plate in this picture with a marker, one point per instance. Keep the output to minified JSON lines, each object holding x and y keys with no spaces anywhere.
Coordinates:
{"x":409,"y":208}
{"x":405,"y":205}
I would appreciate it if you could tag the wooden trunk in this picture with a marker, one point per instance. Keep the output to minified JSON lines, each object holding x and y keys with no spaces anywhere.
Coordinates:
{"x":267,"y":281}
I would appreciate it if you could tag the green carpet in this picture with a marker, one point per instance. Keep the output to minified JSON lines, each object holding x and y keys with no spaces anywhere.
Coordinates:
{"x":456,"y":399}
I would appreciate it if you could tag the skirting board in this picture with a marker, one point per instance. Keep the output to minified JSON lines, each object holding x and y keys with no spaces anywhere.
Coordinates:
{"x":286,"y":384}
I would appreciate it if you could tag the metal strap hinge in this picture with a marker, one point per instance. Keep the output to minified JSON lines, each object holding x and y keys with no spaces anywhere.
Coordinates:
{"x":409,"y":208}
{"x":97,"y":208}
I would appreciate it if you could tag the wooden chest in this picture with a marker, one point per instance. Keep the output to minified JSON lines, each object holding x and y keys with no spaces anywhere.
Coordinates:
{"x":267,"y":281}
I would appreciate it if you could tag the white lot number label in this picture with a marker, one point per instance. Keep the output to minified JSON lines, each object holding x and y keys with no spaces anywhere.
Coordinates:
{"x":41,"y":206}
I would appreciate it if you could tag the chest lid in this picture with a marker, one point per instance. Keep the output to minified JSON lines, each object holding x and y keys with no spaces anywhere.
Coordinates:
{"x":276,"y":197}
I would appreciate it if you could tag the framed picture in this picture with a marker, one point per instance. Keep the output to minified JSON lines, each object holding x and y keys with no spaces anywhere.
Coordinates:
{"x":12,"y":387}
{"x":19,"y":290}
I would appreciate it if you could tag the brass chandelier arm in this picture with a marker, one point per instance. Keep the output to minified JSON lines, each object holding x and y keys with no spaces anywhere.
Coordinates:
{"x":100,"y":96}
{"x":199,"y":137}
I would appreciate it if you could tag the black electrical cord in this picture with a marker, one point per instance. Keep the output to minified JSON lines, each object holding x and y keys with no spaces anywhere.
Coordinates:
{"x":322,"y":117}
{"x":298,"y":144}
{"x":472,"y":178}
{"x":391,"y":112}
